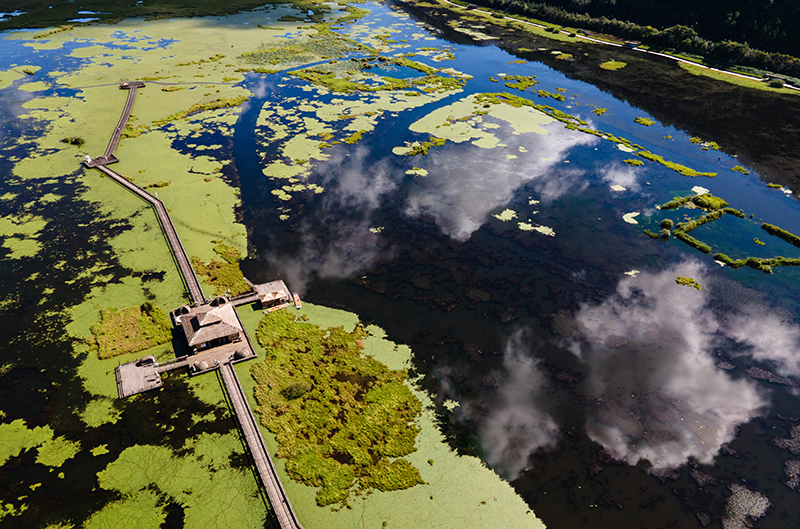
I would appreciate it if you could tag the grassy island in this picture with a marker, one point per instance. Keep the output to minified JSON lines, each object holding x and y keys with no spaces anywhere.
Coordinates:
{"x":223,"y":275}
{"x":130,"y":330}
{"x":688,"y":282}
{"x":343,"y":421}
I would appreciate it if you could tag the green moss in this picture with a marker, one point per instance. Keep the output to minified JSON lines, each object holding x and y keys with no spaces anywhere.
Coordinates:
{"x":216,"y":58}
{"x":735,"y":212}
{"x":696,"y":140}
{"x":647,"y":122}
{"x":781,"y":233}
{"x":16,"y":437}
{"x":760,"y":243}
{"x":652,"y":235}
{"x":53,"y":32}
{"x":54,"y":452}
{"x":425,"y":146}
{"x":130,"y":330}
{"x":771,"y":186}
{"x":682,"y":169}
{"x":688,"y":282}
{"x":633,"y":162}
{"x":613,"y":65}
{"x":355,"y":137}
{"x":741,"y":169}
{"x":224,"y":275}
{"x":666,"y":224}
{"x":599,"y":111}
{"x":163,"y":183}
{"x":691,"y":241}
{"x":520,"y":82}
{"x":676,"y":202}
{"x":342,"y":420}
{"x":545,"y":93}
{"x":74,"y":140}
{"x":224,"y":102}
{"x":709,"y":202}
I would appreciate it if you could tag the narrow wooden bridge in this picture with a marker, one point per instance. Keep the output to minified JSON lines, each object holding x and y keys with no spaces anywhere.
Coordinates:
{"x":189,"y":277}
{"x":266,"y":469}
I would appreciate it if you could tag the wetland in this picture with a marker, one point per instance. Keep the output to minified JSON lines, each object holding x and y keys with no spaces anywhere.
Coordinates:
{"x":490,"y":232}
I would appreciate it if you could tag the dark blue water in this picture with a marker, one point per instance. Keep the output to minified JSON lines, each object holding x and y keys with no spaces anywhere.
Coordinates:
{"x":501,"y":319}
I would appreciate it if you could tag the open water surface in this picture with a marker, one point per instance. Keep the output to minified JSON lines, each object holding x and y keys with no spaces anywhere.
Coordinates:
{"x":594,"y":392}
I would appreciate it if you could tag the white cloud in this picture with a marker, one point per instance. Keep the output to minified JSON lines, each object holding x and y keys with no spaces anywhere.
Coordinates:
{"x":462,"y":190}
{"x":656,"y":392}
{"x":517,"y":425}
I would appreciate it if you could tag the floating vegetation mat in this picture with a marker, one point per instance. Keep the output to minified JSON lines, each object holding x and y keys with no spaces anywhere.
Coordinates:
{"x":343,"y":421}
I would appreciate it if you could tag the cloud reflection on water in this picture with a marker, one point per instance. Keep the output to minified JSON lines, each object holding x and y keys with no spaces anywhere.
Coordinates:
{"x":463,"y":188}
{"x":656,"y":391}
{"x":354,"y":188}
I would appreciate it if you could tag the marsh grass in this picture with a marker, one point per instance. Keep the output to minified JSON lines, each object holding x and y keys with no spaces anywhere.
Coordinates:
{"x":130,"y":330}
{"x":223,"y":275}
{"x":343,"y":421}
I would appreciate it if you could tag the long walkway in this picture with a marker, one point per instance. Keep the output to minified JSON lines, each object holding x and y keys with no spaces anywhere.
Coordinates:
{"x":187,"y":271}
{"x":266,"y":469}
{"x":100,"y":162}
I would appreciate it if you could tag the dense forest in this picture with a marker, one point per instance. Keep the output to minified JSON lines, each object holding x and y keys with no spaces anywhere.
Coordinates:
{"x":757,"y":33}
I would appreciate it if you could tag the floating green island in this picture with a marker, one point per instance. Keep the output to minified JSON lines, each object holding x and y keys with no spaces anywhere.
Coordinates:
{"x":342,"y":420}
{"x":715,"y":208}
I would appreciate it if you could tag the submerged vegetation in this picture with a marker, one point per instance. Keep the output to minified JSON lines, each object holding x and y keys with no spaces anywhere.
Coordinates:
{"x":130,"y":330}
{"x":225,"y":276}
{"x":343,"y":421}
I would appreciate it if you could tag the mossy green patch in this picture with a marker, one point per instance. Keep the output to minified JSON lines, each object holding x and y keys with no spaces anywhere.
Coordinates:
{"x":688,"y":282}
{"x":599,"y":111}
{"x":682,"y":169}
{"x":647,"y":122}
{"x":54,"y":452}
{"x":520,"y":82}
{"x":225,"y":276}
{"x":341,"y":419}
{"x":16,"y":437}
{"x":613,"y":65}
{"x":425,"y":146}
{"x":130,"y":330}
{"x":201,"y":481}
{"x":140,"y":510}
{"x":223,"y":102}
{"x":633,"y":162}
{"x":100,"y":411}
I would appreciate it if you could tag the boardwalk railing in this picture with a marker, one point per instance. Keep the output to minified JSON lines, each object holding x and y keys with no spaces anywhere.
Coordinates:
{"x":266,"y":469}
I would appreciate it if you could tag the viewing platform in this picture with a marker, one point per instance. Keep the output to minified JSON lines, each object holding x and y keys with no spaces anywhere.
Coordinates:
{"x":212,"y":330}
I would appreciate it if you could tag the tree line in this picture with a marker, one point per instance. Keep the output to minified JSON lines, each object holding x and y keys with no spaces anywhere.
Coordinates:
{"x":720,"y":24}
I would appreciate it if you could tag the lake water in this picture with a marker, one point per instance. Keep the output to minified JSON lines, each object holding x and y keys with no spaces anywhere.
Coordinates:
{"x":509,"y":261}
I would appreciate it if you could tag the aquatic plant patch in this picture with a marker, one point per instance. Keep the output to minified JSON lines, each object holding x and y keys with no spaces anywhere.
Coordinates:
{"x":225,"y":276}
{"x":130,"y":330}
{"x":343,"y":421}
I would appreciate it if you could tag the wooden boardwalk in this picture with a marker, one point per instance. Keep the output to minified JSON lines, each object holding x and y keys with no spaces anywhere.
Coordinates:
{"x":192,"y":283}
{"x":266,"y":469}
{"x":151,"y":375}
{"x":189,"y":277}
